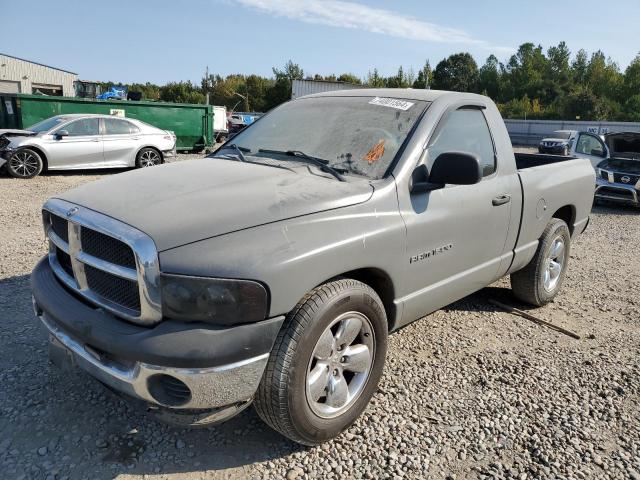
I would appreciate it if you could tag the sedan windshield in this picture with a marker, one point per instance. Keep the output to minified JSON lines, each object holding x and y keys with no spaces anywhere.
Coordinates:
{"x":354,"y":135}
{"x":46,"y":125}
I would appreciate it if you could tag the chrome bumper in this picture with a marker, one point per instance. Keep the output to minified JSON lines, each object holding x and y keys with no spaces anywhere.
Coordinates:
{"x":617,"y":192}
{"x":210,"y":388}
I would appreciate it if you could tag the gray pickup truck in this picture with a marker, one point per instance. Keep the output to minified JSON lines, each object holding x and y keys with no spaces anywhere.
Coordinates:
{"x":274,"y":271}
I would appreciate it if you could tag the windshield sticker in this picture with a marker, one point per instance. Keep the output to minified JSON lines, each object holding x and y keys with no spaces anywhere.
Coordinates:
{"x":392,"y":103}
{"x":375,"y":153}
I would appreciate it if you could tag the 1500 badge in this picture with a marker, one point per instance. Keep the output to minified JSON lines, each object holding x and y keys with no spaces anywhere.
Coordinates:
{"x":431,"y":253}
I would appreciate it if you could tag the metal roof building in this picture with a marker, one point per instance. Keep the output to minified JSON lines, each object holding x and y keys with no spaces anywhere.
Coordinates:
{"x":300,"y":88}
{"x":23,"y":76}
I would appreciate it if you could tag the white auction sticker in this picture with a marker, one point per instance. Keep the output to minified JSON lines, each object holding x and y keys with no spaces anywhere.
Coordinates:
{"x":392,"y":103}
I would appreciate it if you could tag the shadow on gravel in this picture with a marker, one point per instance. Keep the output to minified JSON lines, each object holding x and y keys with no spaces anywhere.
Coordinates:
{"x":67,"y":424}
{"x":479,"y":301}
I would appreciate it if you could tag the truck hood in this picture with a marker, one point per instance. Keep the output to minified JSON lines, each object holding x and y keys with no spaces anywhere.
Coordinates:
{"x":623,"y":144}
{"x":184,"y":202}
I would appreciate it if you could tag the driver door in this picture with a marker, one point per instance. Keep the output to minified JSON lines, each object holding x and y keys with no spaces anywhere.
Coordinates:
{"x":456,"y":235}
{"x":81,"y":148}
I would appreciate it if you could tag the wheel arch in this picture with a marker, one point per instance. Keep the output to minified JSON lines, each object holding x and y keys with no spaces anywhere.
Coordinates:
{"x":382,"y":284}
{"x":568,"y":214}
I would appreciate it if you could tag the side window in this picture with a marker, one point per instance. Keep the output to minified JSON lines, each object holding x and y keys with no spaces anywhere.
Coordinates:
{"x":589,"y":145}
{"x":113,"y":126}
{"x":84,"y":127}
{"x":464,"y":130}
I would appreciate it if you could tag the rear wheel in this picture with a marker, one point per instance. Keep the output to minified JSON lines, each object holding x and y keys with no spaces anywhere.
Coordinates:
{"x":325,"y":364}
{"x":148,"y":157}
{"x":540,"y":281}
{"x":25,"y":163}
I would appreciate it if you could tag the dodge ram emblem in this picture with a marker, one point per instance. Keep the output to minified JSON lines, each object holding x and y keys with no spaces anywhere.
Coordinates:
{"x":625,"y":179}
{"x":72,"y":211}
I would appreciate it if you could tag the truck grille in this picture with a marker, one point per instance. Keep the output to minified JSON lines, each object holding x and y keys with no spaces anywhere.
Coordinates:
{"x":118,"y":290}
{"x":102,"y":265}
{"x":107,"y":248}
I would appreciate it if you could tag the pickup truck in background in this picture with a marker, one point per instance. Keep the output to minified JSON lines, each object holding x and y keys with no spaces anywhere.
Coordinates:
{"x":274,"y":271}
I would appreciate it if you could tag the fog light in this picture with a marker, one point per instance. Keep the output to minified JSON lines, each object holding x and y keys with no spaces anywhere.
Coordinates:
{"x":169,"y":391}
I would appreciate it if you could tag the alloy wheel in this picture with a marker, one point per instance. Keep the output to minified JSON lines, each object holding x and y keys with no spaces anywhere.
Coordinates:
{"x":149,"y":158}
{"x":24,"y":164}
{"x":554,"y":264}
{"x":340,"y":365}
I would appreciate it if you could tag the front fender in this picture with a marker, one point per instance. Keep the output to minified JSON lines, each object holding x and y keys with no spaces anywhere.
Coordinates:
{"x":293,"y":256}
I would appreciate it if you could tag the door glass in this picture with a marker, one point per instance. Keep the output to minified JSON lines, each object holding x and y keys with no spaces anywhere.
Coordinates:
{"x":113,"y":126}
{"x":465,"y":130}
{"x":589,"y":145}
{"x":84,"y":127}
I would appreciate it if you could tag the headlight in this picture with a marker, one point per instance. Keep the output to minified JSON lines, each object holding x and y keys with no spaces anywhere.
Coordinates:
{"x":213,"y":300}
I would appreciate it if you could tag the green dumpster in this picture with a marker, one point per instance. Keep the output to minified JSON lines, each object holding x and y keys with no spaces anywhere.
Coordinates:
{"x":192,"y":124}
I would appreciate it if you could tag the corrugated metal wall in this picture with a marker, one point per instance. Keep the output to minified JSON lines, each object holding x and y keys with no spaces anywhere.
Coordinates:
{"x":28,"y":73}
{"x":300,"y":88}
{"x":530,"y":132}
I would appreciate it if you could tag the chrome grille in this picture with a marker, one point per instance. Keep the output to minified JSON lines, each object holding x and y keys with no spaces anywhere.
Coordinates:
{"x":111,"y":264}
{"x":118,"y":290}
{"x":60,"y":227}
{"x":107,"y":248}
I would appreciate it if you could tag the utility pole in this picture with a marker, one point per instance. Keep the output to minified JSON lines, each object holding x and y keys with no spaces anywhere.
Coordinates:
{"x":206,"y":85}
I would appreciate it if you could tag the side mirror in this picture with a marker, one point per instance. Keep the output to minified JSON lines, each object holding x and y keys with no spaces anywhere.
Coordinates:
{"x":454,"y":168}
{"x":61,"y":133}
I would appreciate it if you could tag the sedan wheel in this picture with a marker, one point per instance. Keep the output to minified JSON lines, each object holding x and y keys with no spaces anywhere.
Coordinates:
{"x":148,"y":157}
{"x":25,"y":163}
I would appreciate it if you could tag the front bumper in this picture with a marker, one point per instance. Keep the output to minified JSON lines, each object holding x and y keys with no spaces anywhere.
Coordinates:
{"x":617,"y":192}
{"x":187,"y":374}
{"x":559,"y":150}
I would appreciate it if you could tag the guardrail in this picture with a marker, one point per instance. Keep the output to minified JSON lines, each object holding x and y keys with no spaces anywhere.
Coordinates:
{"x":530,"y":132}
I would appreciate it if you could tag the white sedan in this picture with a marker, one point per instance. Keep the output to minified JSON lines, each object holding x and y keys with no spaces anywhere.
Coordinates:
{"x":82,"y":141}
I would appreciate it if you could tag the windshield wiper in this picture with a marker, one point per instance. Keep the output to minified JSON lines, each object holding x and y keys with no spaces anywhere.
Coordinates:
{"x":321,"y":163}
{"x":238,"y":149}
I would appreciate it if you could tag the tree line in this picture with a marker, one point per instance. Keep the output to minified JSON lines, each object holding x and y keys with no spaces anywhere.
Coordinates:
{"x":532,"y":83}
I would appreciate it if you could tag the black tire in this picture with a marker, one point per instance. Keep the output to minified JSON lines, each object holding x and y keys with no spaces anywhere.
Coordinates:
{"x":281,"y":400}
{"x":148,"y":157}
{"x":25,"y":163}
{"x":529,"y":284}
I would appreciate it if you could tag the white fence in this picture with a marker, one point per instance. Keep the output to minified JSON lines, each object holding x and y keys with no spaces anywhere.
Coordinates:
{"x":530,"y":132}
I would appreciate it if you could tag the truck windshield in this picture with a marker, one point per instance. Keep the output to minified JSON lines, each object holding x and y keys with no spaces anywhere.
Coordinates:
{"x":357,"y":135}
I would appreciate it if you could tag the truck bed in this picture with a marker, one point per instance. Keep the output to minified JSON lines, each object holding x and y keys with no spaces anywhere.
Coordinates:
{"x":530,"y":160}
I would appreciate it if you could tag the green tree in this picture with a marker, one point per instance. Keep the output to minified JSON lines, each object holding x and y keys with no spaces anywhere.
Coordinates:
{"x":349,"y":78}
{"x":579,"y":67}
{"x":181,"y":92}
{"x":458,"y":73}
{"x":631,"y":109}
{"x":632,"y":78}
{"x":374,"y":79}
{"x":425,"y":77}
{"x":489,"y":78}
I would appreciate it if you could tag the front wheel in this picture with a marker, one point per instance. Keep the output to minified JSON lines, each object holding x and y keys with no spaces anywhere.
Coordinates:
{"x":148,"y":157}
{"x":326,"y":363}
{"x":25,"y":163}
{"x":540,"y":281}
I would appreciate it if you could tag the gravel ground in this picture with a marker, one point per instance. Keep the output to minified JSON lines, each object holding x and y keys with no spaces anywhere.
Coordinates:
{"x":469,"y":392}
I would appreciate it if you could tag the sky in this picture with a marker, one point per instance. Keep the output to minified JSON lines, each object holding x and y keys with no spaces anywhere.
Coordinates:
{"x":161,"y":41}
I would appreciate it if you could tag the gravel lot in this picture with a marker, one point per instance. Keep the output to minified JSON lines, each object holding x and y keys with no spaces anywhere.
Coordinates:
{"x":469,"y":392}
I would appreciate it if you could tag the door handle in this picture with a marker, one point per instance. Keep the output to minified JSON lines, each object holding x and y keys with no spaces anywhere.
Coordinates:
{"x":501,"y":200}
{"x":95,"y":139}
